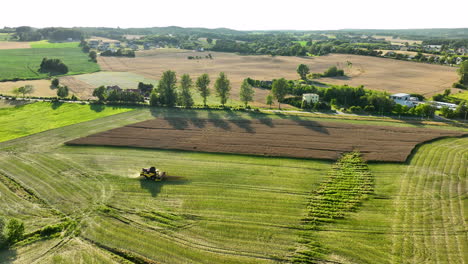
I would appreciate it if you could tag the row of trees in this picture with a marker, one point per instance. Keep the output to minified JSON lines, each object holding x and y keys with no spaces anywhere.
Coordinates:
{"x":166,"y":92}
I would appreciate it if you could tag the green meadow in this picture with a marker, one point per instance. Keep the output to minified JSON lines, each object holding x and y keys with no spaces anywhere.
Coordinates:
{"x":24,"y":63}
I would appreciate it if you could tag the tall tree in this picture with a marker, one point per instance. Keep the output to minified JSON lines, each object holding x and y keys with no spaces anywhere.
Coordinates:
{"x":269,"y":100}
{"x":100,"y":93}
{"x":223,"y":87}
{"x":55,"y":83}
{"x":279,"y":89}
{"x":93,"y":56}
{"x":202,"y":84}
{"x":185,"y":94}
{"x":167,"y":88}
{"x":463,"y":72}
{"x":62,"y":91}
{"x":303,"y":70}
{"x":246,"y":92}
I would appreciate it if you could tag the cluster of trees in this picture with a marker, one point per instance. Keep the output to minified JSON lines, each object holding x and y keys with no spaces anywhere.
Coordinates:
{"x":54,"y":34}
{"x":117,"y":96}
{"x":119,"y":53}
{"x":460,"y":112}
{"x":53,"y":66}
{"x":62,"y":90}
{"x":10,"y":232}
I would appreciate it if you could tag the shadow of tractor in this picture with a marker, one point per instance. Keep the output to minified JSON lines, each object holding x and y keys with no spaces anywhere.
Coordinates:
{"x":154,"y":187}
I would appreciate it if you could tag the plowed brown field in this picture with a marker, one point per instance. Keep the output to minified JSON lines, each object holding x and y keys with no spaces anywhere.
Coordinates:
{"x":285,"y":138}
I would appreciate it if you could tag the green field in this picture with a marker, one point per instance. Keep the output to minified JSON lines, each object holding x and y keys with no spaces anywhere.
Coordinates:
{"x":220,"y":208}
{"x":45,"y":44}
{"x":33,"y":118}
{"x":5,"y":36}
{"x":24,"y":63}
{"x":125,"y":80}
{"x":463,"y":95}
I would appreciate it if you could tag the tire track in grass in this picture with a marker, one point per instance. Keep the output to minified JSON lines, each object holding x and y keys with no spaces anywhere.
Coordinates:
{"x":435,"y":170}
{"x":453,"y":201}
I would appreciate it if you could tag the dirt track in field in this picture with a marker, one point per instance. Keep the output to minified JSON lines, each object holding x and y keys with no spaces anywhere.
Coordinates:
{"x":285,"y":138}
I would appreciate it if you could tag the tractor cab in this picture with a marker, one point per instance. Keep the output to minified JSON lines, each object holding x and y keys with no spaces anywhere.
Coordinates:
{"x":152,"y":174}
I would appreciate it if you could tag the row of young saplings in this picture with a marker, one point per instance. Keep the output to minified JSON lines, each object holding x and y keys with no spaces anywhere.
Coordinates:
{"x":346,"y":186}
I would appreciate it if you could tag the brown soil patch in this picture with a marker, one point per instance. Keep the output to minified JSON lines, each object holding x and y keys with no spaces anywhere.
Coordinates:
{"x":14,"y":45}
{"x":283,"y":137}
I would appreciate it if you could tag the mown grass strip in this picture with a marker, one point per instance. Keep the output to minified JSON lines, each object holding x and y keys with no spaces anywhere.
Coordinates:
{"x":37,"y":117}
{"x":347,"y":185}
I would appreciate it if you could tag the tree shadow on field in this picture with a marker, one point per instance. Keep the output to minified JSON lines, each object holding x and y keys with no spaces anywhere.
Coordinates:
{"x":97,"y":107}
{"x":262,"y":118}
{"x":240,"y":121}
{"x":178,"y":118}
{"x":56,"y":105}
{"x":309,"y":124}
{"x":8,"y":256}
{"x":154,"y":187}
{"x":217,"y":120}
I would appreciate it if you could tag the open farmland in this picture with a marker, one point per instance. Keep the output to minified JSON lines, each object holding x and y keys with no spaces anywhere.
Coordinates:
{"x":287,"y":138}
{"x":25,"y":120}
{"x":41,"y":88}
{"x":6,"y":45}
{"x":221,"y":208}
{"x":374,"y":73}
{"x":24,"y":63}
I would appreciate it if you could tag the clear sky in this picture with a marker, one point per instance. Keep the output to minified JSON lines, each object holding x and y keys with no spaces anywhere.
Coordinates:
{"x":237,"y":14}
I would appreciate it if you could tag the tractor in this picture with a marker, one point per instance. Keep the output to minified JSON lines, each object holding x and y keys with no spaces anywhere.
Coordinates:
{"x":153,"y":174}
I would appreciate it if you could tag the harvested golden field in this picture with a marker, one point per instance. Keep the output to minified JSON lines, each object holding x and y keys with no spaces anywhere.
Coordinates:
{"x":375,"y":73}
{"x":284,"y":138}
{"x":393,"y":76}
{"x":41,"y":87}
{"x":14,"y":45}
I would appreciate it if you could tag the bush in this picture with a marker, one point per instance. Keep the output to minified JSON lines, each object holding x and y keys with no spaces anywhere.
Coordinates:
{"x":459,"y":85}
{"x":14,"y":231}
{"x":355,"y":109}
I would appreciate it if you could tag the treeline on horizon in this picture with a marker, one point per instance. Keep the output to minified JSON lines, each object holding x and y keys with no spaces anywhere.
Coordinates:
{"x":77,"y":32}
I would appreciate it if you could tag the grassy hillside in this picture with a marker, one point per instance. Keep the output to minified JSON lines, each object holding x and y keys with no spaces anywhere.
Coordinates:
{"x":33,"y":118}
{"x":24,"y":63}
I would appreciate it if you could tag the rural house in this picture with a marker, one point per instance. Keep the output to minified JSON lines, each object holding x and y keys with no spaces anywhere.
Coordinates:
{"x":310,"y":97}
{"x":405,"y":99}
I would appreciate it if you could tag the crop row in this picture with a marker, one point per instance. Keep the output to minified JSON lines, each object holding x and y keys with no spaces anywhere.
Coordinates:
{"x":347,"y":185}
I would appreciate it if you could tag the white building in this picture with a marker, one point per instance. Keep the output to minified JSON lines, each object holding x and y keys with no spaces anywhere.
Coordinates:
{"x":405,"y":99}
{"x":310,"y":97}
{"x":439,"y":105}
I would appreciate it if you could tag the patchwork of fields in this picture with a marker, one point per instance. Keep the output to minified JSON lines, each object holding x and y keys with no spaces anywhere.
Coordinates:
{"x":24,"y":63}
{"x":297,"y":138}
{"x":375,"y":73}
{"x":221,"y":208}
